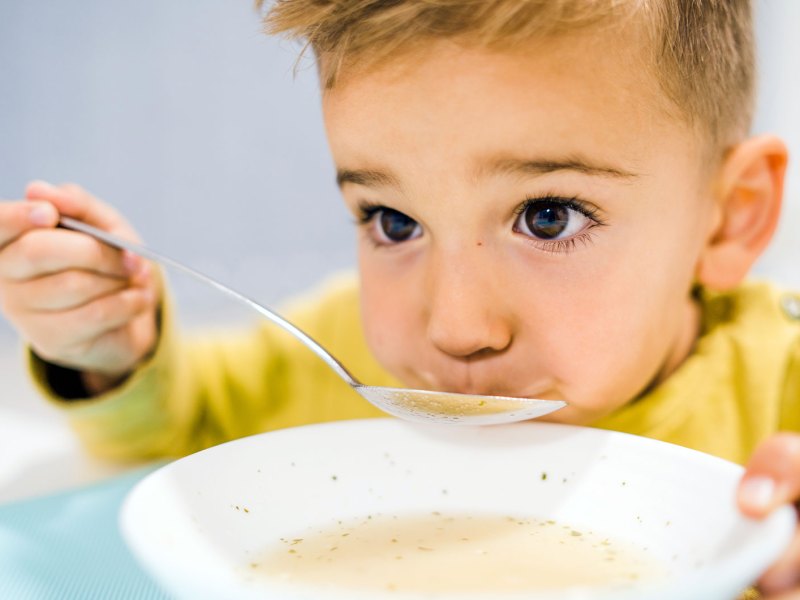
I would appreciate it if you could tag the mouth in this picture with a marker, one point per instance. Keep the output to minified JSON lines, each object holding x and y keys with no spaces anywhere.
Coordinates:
{"x":470,"y":386}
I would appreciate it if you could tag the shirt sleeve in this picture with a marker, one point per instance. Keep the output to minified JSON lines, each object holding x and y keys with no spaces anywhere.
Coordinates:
{"x":200,"y":390}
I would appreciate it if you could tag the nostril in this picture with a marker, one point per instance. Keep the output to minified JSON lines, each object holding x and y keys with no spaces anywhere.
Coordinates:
{"x":483,"y":353}
{"x":470,"y":342}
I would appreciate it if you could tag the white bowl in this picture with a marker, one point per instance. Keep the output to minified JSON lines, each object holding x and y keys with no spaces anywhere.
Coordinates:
{"x":196,"y":525}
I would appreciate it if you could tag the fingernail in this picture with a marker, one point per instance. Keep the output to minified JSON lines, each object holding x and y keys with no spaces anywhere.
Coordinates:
{"x":149,"y":296}
{"x":131,"y":262}
{"x":142,"y":276}
{"x":757,"y":492}
{"x":44,"y":184}
{"x":41,"y":215}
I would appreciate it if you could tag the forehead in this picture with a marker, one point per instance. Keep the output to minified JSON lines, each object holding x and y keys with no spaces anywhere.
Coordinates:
{"x":571,"y":94}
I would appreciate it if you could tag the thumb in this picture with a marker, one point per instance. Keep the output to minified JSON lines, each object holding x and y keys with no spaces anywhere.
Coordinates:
{"x":772,"y":476}
{"x":73,"y":201}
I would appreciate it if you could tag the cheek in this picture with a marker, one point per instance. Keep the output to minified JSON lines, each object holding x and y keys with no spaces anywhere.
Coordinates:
{"x":608,"y":320}
{"x":603,"y":354}
{"x":387,"y":311}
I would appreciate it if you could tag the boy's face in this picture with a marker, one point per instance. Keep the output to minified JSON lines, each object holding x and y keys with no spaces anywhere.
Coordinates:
{"x":531,"y":221}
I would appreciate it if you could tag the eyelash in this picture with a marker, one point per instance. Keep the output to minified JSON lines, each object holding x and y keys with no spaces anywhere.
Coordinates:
{"x":368,"y":210}
{"x":587,"y":209}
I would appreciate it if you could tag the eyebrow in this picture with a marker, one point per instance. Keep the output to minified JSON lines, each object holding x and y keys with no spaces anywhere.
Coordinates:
{"x":504,"y":166}
{"x":516,"y":166}
{"x":367,"y":177}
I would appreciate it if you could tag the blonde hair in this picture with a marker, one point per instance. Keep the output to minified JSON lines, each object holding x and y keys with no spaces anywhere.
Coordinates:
{"x":702,"y":51}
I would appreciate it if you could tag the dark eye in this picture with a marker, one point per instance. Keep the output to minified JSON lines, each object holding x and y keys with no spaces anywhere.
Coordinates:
{"x":393,"y":226}
{"x":547,"y":220}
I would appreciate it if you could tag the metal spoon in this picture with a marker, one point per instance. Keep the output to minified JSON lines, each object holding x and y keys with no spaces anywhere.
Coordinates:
{"x":409,"y":404}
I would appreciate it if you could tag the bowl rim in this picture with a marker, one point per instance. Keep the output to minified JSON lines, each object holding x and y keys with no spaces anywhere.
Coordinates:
{"x":776,"y":530}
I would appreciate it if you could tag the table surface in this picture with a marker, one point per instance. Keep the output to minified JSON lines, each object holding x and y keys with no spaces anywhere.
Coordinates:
{"x":38,"y":452}
{"x":40,"y":457}
{"x":68,"y":546}
{"x":59,"y":538}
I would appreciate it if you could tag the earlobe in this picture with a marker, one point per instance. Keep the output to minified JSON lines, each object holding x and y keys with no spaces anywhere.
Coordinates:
{"x":749,"y":196}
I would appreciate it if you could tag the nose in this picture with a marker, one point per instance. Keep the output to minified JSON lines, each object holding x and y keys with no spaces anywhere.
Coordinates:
{"x":466,"y":313}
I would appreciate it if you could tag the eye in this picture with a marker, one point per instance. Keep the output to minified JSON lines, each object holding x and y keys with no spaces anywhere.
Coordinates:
{"x":552,"y":219}
{"x":390,"y":226}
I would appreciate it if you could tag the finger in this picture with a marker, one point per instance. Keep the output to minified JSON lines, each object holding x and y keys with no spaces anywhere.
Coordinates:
{"x":772,"y":476}
{"x":74,"y":201}
{"x":47,"y":251}
{"x":62,"y":335}
{"x":121,"y":349}
{"x":59,"y":291}
{"x":18,"y":217}
{"x":790,"y":595}
{"x":784,"y":575}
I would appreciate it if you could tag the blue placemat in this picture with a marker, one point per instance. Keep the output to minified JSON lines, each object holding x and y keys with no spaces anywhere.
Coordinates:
{"x":68,"y":546}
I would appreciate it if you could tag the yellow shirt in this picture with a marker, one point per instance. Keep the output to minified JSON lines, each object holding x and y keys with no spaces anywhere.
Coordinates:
{"x":741,"y":383}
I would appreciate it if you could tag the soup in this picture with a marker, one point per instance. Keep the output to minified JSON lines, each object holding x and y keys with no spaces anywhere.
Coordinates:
{"x":440,"y":553}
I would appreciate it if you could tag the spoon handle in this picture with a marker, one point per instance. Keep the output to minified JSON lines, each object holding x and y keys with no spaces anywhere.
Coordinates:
{"x":141,"y":250}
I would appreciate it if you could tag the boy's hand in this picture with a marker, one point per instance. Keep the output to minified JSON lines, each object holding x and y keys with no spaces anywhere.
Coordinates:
{"x":772,"y":478}
{"x":79,"y":303}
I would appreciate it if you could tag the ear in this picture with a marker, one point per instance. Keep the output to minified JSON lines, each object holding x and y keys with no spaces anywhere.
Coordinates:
{"x":748,"y":195}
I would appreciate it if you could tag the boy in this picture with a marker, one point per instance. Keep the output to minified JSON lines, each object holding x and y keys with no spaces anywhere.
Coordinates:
{"x":555,"y":200}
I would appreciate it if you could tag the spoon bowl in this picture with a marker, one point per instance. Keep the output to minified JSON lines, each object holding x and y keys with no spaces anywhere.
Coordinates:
{"x":409,"y":404}
{"x":451,"y":407}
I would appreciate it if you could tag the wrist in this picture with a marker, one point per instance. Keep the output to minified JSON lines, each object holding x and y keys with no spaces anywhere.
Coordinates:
{"x":99,"y":383}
